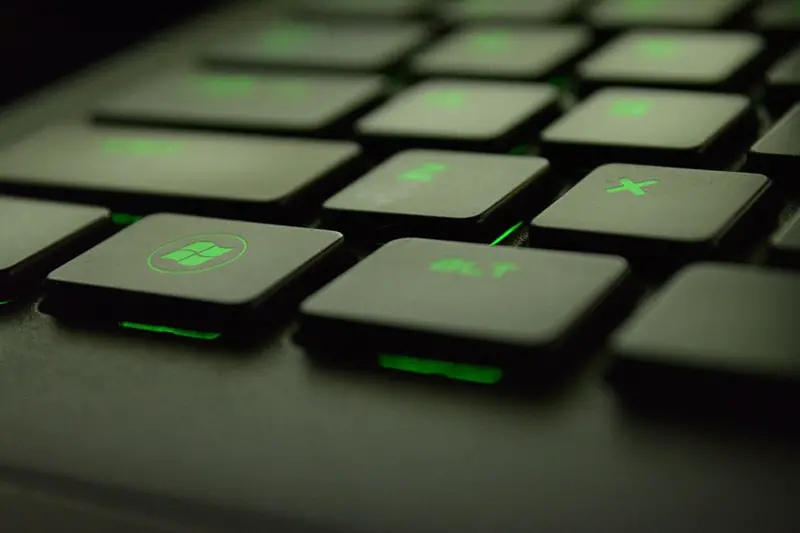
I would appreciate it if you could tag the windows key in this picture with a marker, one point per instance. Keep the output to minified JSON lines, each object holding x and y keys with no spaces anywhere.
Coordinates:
{"x":192,"y":272}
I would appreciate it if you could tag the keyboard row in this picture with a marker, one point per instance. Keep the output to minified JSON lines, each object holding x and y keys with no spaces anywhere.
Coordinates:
{"x":487,"y":307}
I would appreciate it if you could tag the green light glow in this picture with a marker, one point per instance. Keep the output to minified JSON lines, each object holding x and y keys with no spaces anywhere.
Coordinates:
{"x":465,"y":267}
{"x":458,"y":371}
{"x":425,"y":172}
{"x":124,"y":219}
{"x":659,"y":47}
{"x":187,"y":255}
{"x":227,"y":85}
{"x":636,"y":187}
{"x":201,"y":335}
{"x":5,"y":302}
{"x":505,"y":234}
{"x":449,"y":99}
{"x":631,"y":108}
{"x":496,"y":41}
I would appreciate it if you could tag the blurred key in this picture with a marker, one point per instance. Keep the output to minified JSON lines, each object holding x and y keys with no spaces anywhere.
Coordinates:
{"x":616,"y":14}
{"x":144,"y":171}
{"x":777,"y":154}
{"x":438,"y":194}
{"x":360,"y":8}
{"x":501,"y":52}
{"x":275,"y":102}
{"x":481,"y":115}
{"x":783,"y":83}
{"x":682,"y":59}
{"x":784,"y":245}
{"x":187,"y":271}
{"x":657,"y":215}
{"x":458,"y":301}
{"x":334,"y":46}
{"x":715,"y":332}
{"x":651,"y":126}
{"x":35,"y":236}
{"x":518,"y":11}
{"x":778,"y":19}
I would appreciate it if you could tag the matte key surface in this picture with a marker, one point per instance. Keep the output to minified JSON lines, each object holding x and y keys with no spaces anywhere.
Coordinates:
{"x":783,"y":82}
{"x":777,"y":154}
{"x":778,"y":16}
{"x":714,"y":325}
{"x":511,"y":10}
{"x":439,"y":194}
{"x":498,"y":52}
{"x":445,"y":299}
{"x":35,"y":235}
{"x":443,"y":114}
{"x":141,"y":171}
{"x":785,"y":243}
{"x":650,"y":126}
{"x":651,"y":212}
{"x":686,"y":59}
{"x":360,"y":8}
{"x":255,"y":102}
{"x":348,"y":46}
{"x":188,"y":271}
{"x":665,"y":13}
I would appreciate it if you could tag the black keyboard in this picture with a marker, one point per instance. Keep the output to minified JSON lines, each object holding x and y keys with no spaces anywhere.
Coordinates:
{"x":404,"y":265}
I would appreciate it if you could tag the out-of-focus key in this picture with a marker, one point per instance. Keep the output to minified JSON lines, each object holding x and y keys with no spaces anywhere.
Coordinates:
{"x":360,"y":8}
{"x":310,"y":103}
{"x":617,"y":14}
{"x":777,"y":154}
{"x":334,"y":46}
{"x":510,"y":11}
{"x":503,"y":52}
{"x":784,"y":245}
{"x":143,"y":171}
{"x":783,"y":83}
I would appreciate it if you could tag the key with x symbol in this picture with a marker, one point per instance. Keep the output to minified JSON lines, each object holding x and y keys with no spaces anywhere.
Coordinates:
{"x":668,"y":215}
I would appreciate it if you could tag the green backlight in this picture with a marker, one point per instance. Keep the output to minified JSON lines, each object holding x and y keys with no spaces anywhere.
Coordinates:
{"x":506,"y":233}
{"x":635,"y":187}
{"x":430,"y":367}
{"x":424,"y":172}
{"x":124,"y":219}
{"x":466,"y":267}
{"x":201,"y":335}
{"x":631,"y":108}
{"x":5,"y":302}
{"x":448,"y":99}
{"x":227,"y":85}
{"x":659,"y":47}
{"x":496,"y":41}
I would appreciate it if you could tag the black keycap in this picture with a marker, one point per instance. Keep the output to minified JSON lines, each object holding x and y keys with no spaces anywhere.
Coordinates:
{"x":524,"y":11}
{"x":341,"y":45}
{"x":783,"y":83}
{"x":785,"y":243}
{"x":653,"y":213}
{"x":360,"y":8}
{"x":36,"y":235}
{"x":714,"y":332}
{"x":778,"y":18}
{"x":187,"y":271}
{"x":614,"y":14}
{"x":651,"y":126}
{"x":678,"y":58}
{"x":777,"y":154}
{"x":440,"y":194}
{"x":497,"y":52}
{"x":142,"y":171}
{"x":304,"y":102}
{"x":477,"y":114}
{"x":441,"y":299}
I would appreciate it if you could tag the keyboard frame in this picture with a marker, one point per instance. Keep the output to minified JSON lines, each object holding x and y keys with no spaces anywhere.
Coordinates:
{"x":258,"y":437}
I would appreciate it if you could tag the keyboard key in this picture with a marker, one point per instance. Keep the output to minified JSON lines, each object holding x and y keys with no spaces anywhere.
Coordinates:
{"x":777,"y":154}
{"x":303,"y":102}
{"x":506,"y":11}
{"x":653,"y":214}
{"x":361,"y":8}
{"x":651,"y":126}
{"x":476,"y":114}
{"x":439,"y":299}
{"x":715,"y":331}
{"x":187,"y":271}
{"x":681,"y":59}
{"x":440,"y":194}
{"x":614,"y":14}
{"x":143,"y":171}
{"x":37,"y":235}
{"x":785,"y":243}
{"x":496,"y":52}
{"x":783,"y":83}
{"x":778,"y":18}
{"x":346,"y":46}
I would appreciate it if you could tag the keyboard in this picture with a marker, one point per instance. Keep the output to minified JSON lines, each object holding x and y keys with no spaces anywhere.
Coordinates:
{"x":404,"y":265}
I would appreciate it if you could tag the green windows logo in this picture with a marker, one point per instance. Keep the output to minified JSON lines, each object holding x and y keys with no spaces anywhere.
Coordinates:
{"x":197,"y":253}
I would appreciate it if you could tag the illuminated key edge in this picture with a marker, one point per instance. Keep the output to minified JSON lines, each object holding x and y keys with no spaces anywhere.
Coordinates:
{"x":200,"y":335}
{"x":487,"y":375}
{"x":506,"y":234}
{"x":6,"y":302}
{"x":125,"y":219}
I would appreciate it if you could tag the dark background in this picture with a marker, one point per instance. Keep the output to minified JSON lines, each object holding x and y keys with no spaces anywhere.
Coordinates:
{"x":43,"y":40}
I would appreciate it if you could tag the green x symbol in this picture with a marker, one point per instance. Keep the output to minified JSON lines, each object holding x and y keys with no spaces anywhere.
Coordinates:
{"x":636,"y":187}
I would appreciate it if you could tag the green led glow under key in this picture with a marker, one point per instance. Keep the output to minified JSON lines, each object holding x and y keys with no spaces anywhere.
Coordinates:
{"x":458,"y":371}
